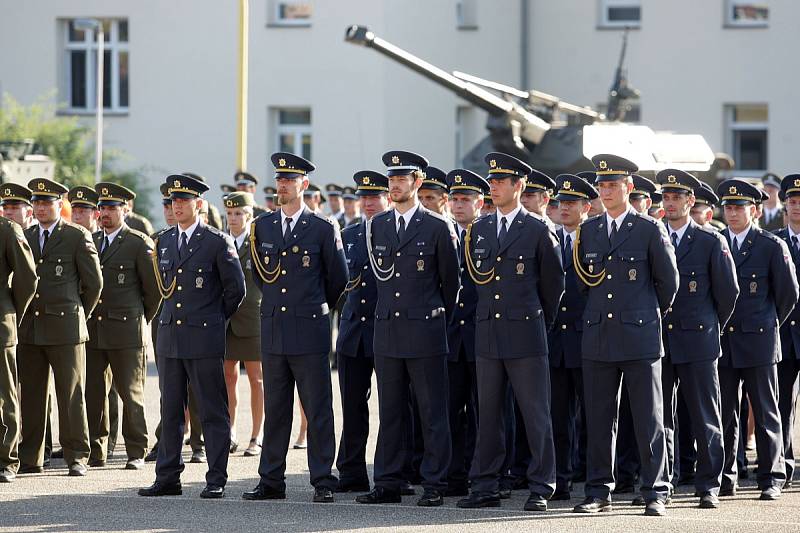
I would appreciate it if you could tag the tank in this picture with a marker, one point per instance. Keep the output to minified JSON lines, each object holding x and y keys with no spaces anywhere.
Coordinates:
{"x":20,"y":162}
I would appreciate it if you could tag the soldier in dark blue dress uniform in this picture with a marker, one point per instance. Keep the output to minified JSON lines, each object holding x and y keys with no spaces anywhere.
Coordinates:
{"x":354,"y":343}
{"x":413,"y":255}
{"x":515,"y":261}
{"x":751,"y":346}
{"x":706,"y":297}
{"x":302,"y":272}
{"x":202,"y":285}
{"x":566,"y":377}
{"x":627,"y":265}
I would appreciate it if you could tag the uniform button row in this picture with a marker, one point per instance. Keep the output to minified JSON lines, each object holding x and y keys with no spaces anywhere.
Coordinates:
{"x":563,"y":326}
{"x":461,"y":304}
{"x":563,"y":308}
{"x":461,"y":322}
{"x":363,"y":319}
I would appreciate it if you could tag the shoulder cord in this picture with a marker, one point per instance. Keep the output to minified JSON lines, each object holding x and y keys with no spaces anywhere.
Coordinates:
{"x":588,"y":278}
{"x":381,"y":274}
{"x":264,"y":273}
{"x":472,"y":269}
{"x":166,"y":292}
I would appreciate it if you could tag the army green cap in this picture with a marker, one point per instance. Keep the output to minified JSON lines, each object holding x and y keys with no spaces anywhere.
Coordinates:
{"x":113,"y":194}
{"x":83,"y":196}
{"x":14,"y":193}
{"x":226,"y":189}
{"x":239,"y":199}
{"x":45,"y":189}
{"x":166,"y":199}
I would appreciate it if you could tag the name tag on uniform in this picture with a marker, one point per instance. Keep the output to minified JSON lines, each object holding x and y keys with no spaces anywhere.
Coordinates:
{"x":422,"y":243}
{"x":590,"y":255}
{"x":267,"y":245}
{"x":480,"y":250}
{"x":380,"y":248}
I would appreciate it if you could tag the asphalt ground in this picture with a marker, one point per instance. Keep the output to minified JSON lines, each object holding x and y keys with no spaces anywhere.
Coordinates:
{"x":106,"y":500}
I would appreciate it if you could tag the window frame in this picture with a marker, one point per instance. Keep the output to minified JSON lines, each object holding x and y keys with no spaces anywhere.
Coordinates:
{"x":732,"y":127}
{"x":277,"y":21}
{"x":606,"y":24}
{"x":113,"y":46}
{"x":466,"y":14}
{"x":296,"y":130}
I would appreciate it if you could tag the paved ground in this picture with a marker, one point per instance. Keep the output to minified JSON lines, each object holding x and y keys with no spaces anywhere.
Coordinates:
{"x":106,"y":501}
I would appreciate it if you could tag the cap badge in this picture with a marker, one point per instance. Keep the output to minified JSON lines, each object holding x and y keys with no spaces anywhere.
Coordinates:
{"x":8,"y":192}
{"x":567,"y":185}
{"x":493,"y":163}
{"x":229,"y":203}
{"x":395,"y":160}
{"x":176,"y":183}
{"x":79,"y":194}
{"x":41,"y":186}
{"x":732,"y":190}
{"x":104,"y":191}
{"x":365,"y":180}
{"x":457,"y":179}
{"x":671,"y":178}
{"x":281,"y":162}
{"x":603,"y":165}
{"x":797,"y":183}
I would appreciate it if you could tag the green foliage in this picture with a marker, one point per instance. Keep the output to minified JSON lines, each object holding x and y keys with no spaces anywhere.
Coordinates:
{"x":70,"y":143}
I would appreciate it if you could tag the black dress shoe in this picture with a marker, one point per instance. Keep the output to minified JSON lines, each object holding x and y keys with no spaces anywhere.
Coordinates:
{"x":561,"y":495}
{"x":152,"y":456}
{"x":625,"y":487}
{"x":379,"y":495}
{"x":709,"y":501}
{"x":407,"y":489}
{"x":655,"y":508}
{"x":213,"y":492}
{"x":161,"y":489}
{"x":728,"y":490}
{"x":96,"y":463}
{"x":592,"y":505}
{"x":536,"y":502}
{"x":430,"y":498}
{"x":478,"y":500}
{"x":456,"y":490}
{"x":57,"y":454}
{"x":352,"y":486}
{"x":770,"y":493}
{"x":30,"y":469}
{"x":323,"y":495}
{"x":77,"y":470}
{"x":264,"y":492}
{"x":198,"y":456}
{"x":519,"y":483}
{"x":7,"y":475}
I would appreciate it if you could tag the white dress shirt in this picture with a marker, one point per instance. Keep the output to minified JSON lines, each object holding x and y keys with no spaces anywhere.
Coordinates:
{"x":294,"y":216}
{"x":680,"y":231}
{"x":408,"y":215}
{"x":188,"y":231}
{"x":509,"y":218}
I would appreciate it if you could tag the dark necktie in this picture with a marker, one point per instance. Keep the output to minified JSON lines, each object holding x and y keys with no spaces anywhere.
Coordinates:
{"x":401,"y":231}
{"x":46,"y":234}
{"x":613,"y":236}
{"x":794,"y":243}
{"x":567,"y":250}
{"x":503,"y":230}
{"x":287,"y":234}
{"x":183,"y":250}
{"x":675,"y":240}
{"x":735,"y":246}
{"x":462,"y":239}
{"x":106,"y":244}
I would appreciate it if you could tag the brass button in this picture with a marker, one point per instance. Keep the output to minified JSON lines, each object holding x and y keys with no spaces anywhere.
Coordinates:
{"x":283,"y":290}
{"x":497,"y":315}
{"x":36,"y":313}
{"x":363,"y":319}
{"x":461,"y":304}
{"x":563,"y":326}
{"x":669,"y":327}
{"x":178,"y":322}
{"x":496,"y":296}
{"x":283,"y":309}
{"x":283,"y":272}
{"x":180,"y":271}
{"x":461,"y":322}
{"x":178,"y":305}
{"x":37,"y":295}
{"x":609,"y":296}
{"x":363,"y":301}
{"x":497,"y":278}
{"x":563,"y":308}
{"x":98,"y":318}
{"x":283,"y":254}
{"x":610,"y":315}
{"x":397,"y":295}
{"x":396,"y":313}
{"x":730,"y":328}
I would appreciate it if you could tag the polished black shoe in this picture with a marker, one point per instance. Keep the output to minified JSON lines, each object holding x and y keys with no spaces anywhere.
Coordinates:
{"x":430,"y":498}
{"x":323,"y":495}
{"x":380,"y":495}
{"x":152,"y":456}
{"x":479,"y":500}
{"x":7,"y":475}
{"x":213,"y":492}
{"x":407,"y":489}
{"x":134,"y":464}
{"x":728,"y":490}
{"x":352,"y":486}
{"x":770,"y":493}
{"x":77,"y":470}
{"x":624,"y":488}
{"x":57,"y":454}
{"x":561,"y":496}
{"x":592,"y":505}
{"x":161,"y":489}
{"x":655,"y":508}
{"x":743,"y":473}
{"x":536,"y":502}
{"x":30,"y":469}
{"x":97,"y":463}
{"x":456,"y":490}
{"x":708,"y":501}
{"x":264,"y":492}
{"x":198,"y":456}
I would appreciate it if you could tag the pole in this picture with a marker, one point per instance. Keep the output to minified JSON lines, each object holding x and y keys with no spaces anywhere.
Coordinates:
{"x":241,"y":107}
{"x":98,"y":158}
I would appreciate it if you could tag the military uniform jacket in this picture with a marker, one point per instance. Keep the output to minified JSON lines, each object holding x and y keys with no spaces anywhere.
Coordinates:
{"x":622,"y":318}
{"x":344,"y":224}
{"x":518,"y":305}
{"x":17,"y":259}
{"x":70,"y":283}
{"x":419,"y":297}
{"x":565,"y":337}
{"x":790,"y":330}
{"x":358,"y":314}
{"x":246,"y":321}
{"x":461,"y":331}
{"x":209,"y":286}
{"x":312,"y":273}
{"x":706,"y":296}
{"x":130,"y":296}
{"x":768,"y":293}
{"x":139,"y":223}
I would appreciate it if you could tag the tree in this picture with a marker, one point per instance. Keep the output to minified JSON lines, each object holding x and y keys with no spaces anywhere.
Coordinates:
{"x":69,"y":143}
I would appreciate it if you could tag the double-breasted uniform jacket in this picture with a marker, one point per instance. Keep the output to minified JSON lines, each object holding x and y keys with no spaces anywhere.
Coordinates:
{"x":790,"y":329}
{"x":70,"y":283}
{"x":419,"y":294}
{"x":565,"y":337}
{"x":17,"y":259}
{"x":310,"y":273}
{"x":706,"y":296}
{"x":461,"y":331}
{"x":768,"y":293}
{"x":357,"y":326}
{"x":518,"y":305}
{"x":246,"y":321}
{"x":622,"y":318}
{"x":208,"y":288}
{"x":130,"y":296}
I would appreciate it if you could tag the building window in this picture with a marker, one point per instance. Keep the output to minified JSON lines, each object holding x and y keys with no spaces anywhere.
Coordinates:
{"x":290,"y":13}
{"x":747,"y":137}
{"x":293,"y":131}
{"x":620,"y":13}
{"x":467,"y":14}
{"x":80,"y":59}
{"x":742,"y":14}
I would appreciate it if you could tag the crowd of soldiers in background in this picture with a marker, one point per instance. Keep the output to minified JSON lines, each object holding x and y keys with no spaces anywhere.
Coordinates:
{"x":98,"y":258}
